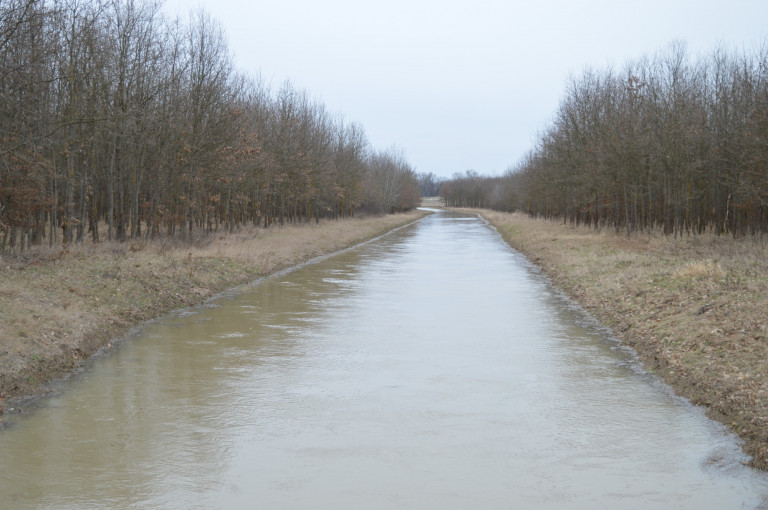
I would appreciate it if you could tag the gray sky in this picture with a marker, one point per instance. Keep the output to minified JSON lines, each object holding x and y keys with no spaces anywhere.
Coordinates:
{"x":462,"y":85}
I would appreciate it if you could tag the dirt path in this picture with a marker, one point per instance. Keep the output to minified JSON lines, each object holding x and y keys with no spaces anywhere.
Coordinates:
{"x":695,"y":309}
{"x":58,"y":307}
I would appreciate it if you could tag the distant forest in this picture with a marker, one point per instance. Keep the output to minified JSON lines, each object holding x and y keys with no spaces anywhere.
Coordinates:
{"x":666,"y":143}
{"x":117,"y":122}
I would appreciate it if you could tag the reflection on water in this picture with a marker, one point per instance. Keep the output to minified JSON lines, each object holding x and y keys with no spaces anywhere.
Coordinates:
{"x":433,"y":368}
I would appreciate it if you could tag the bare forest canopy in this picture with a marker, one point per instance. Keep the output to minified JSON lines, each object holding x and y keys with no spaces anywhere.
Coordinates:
{"x":112,"y":114}
{"x":667,"y":143}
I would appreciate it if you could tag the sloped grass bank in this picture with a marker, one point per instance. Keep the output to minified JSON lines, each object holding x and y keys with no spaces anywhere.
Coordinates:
{"x":695,"y":309}
{"x":59,"y":306}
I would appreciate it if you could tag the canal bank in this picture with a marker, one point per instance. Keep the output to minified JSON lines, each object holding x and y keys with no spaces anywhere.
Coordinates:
{"x":433,"y":367}
{"x":693,"y":308}
{"x":60,"y":306}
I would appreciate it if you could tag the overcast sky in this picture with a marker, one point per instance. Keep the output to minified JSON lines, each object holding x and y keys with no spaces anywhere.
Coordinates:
{"x":462,"y":85}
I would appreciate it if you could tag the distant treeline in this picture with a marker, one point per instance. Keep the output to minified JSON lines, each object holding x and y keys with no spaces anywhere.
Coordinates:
{"x":665,"y":143}
{"x":113,"y":114}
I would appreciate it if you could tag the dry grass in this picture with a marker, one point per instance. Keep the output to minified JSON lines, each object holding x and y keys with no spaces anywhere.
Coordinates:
{"x":700,"y":269}
{"x":277,"y":248}
{"x":57,"y":307}
{"x":694,"y":308}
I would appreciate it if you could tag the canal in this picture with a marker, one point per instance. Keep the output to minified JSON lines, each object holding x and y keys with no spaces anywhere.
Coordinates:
{"x":431,"y":368}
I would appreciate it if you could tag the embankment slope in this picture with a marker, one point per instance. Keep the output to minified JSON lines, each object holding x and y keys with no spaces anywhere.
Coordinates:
{"x":58,"y":307}
{"x":695,"y":309}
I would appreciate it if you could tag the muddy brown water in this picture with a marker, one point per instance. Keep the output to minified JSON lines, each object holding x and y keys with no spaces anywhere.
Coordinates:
{"x":432,"y":368}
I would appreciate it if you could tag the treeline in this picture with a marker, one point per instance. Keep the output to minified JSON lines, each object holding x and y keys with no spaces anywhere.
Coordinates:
{"x":667,"y":143}
{"x":429,"y":184}
{"x":112,"y":114}
{"x":470,"y":189}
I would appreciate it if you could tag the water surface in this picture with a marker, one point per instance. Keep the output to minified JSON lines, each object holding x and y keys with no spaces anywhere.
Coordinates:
{"x":432,"y":368}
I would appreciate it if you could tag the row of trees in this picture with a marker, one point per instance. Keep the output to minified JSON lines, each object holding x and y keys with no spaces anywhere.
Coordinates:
{"x":666,"y":143}
{"x":429,"y":184}
{"x":115,"y":115}
{"x":470,"y":189}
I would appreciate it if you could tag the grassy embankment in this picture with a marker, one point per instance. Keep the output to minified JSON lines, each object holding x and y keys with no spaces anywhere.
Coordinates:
{"x":695,"y":309}
{"x":58,"y":307}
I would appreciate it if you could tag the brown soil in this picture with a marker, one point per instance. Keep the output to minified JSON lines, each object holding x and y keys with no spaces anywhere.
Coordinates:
{"x":59,"y":306}
{"x":693,"y":308}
